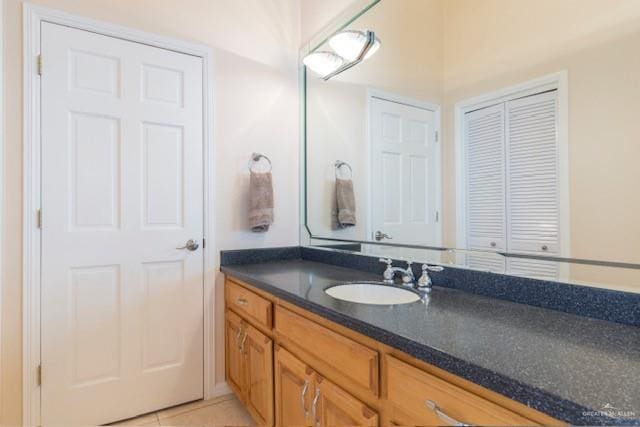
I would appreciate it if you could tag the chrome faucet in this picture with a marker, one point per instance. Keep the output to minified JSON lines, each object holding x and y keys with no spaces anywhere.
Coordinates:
{"x":407,"y":273}
{"x":424,"y":282}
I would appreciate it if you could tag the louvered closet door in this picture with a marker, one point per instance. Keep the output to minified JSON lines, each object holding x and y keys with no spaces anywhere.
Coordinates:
{"x":485,"y":195}
{"x":485,"y":204}
{"x":533,"y":215}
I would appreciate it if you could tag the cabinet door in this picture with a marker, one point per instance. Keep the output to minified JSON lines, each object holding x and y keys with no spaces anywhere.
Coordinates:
{"x":335,"y":407}
{"x":258,"y":359}
{"x":294,"y":387}
{"x":234,"y":334}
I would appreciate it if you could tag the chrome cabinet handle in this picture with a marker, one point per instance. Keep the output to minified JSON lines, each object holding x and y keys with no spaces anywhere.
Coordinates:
{"x":191,"y":245}
{"x":314,"y":408}
{"x":242,"y":301}
{"x":444,"y":417}
{"x":244,"y":338}
{"x":238,"y":335}
{"x":302,"y":398}
{"x":380,"y":235}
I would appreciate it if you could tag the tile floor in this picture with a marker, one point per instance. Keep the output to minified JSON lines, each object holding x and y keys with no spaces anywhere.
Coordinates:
{"x":221,"y":411}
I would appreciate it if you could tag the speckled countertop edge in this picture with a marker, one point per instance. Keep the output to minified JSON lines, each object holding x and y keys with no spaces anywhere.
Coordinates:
{"x":530,"y":396}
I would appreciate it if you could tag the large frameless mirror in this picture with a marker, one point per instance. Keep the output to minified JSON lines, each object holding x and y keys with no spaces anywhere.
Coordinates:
{"x":480,"y":129}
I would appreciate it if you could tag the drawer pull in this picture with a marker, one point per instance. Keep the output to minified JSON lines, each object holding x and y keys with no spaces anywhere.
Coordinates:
{"x":444,"y":417}
{"x":302,"y":398}
{"x":242,"y":301}
{"x":242,"y":343}
{"x":314,"y":408}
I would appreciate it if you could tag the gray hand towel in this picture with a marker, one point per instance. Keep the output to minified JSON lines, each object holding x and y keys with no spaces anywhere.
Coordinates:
{"x":346,"y":203}
{"x":260,"y":201}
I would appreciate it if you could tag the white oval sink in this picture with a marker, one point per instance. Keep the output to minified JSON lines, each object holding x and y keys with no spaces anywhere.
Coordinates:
{"x":372,"y":293}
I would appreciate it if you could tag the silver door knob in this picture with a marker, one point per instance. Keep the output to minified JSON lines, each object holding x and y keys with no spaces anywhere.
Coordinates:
{"x":380,"y":235}
{"x":191,"y":245}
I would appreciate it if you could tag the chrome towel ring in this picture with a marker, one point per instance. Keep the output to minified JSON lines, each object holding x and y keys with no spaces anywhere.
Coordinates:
{"x":339,"y":164}
{"x":255,"y":158}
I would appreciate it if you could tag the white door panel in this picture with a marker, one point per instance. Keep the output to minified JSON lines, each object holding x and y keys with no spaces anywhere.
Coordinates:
{"x":533,"y":185}
{"x":485,"y":175}
{"x":404,"y":172}
{"x":122,"y":188}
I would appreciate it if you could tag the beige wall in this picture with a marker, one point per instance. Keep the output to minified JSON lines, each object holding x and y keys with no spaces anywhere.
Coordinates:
{"x":317,"y":14}
{"x":256,"y":109}
{"x":336,"y":117}
{"x":486,"y":38}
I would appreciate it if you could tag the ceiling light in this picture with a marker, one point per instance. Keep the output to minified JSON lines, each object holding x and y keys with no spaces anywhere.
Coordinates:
{"x":323,"y":63}
{"x":349,"y":44}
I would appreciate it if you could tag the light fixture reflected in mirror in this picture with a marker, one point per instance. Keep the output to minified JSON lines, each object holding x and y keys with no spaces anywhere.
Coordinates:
{"x":323,"y":63}
{"x":351,"y":47}
{"x":349,"y":44}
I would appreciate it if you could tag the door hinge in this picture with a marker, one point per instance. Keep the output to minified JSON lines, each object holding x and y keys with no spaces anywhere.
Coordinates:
{"x":437,"y":136}
{"x":40,"y":65}
{"x":39,"y":375}
{"x":39,"y":218}
{"x":204,"y":243}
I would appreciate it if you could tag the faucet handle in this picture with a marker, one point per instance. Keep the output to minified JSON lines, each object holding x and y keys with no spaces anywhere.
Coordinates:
{"x":388,"y":273}
{"x":410,"y":271}
{"x":432,"y":267}
{"x":424,"y":282}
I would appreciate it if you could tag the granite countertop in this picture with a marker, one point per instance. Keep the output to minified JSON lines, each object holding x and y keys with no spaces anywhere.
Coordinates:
{"x":574,"y":368}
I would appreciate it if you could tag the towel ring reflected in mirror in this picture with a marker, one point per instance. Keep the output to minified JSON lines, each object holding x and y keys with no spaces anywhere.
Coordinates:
{"x":339,"y":164}
{"x":255,"y":158}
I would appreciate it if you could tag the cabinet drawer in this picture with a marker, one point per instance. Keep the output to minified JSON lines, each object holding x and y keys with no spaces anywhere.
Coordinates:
{"x":352,"y":359}
{"x":410,"y":389}
{"x":248,"y":304}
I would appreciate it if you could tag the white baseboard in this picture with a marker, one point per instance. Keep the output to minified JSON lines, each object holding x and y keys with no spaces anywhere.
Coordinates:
{"x":220,"y":389}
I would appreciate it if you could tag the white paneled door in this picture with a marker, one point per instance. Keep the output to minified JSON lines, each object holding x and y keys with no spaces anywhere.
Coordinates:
{"x":404,"y":173}
{"x":122,"y":190}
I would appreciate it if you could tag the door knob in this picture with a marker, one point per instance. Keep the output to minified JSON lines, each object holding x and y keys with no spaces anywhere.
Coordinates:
{"x":191,"y":245}
{"x":380,"y":235}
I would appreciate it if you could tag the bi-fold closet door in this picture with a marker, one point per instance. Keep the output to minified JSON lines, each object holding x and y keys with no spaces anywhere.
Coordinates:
{"x":512,"y":183}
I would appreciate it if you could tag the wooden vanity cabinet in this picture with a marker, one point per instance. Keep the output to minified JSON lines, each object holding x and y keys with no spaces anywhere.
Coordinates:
{"x":345,"y":358}
{"x":291,"y":367}
{"x":258,"y":365}
{"x":233,"y":336}
{"x":304,"y":398}
{"x":294,"y":386}
{"x":336,"y":407}
{"x":249,"y":357}
{"x":425,"y":399}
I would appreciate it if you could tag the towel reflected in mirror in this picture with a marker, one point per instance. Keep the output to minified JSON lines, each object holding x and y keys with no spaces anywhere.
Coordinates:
{"x":345,"y":203}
